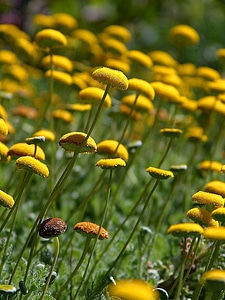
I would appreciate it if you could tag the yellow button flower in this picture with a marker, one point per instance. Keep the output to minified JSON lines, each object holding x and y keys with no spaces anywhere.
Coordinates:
{"x":3,"y":127}
{"x":185,"y":229}
{"x":60,"y":76}
{"x":142,"y":87}
{"x":29,"y":163}
{"x":142,"y":103}
{"x":58,"y":61}
{"x":109,"y":147}
{"x":133,"y":289}
{"x":49,"y":135}
{"x":219,"y":214}
{"x":215,"y":233}
{"x":93,"y":95}
{"x":171,"y":132}
{"x":50,"y":38}
{"x":165,"y":91}
{"x":202,"y":217}
{"x":23,"y":149}
{"x":216,"y":187}
{"x":119,"y":32}
{"x":63,"y":115}
{"x":6,"y":200}
{"x":139,"y":57}
{"x":208,"y":199}
{"x":110,"y":163}
{"x":110,"y":76}
{"x":183,"y":35}
{"x":77,"y":140}
{"x":4,"y":153}
{"x":91,"y":230}
{"x":213,"y":280}
{"x":160,"y":57}
{"x":208,"y":165}
{"x":159,"y":173}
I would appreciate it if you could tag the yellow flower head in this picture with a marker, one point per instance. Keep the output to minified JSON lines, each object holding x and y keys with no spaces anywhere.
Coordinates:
{"x":78,"y":82}
{"x":207,"y":73}
{"x":202,"y":217}
{"x":79,"y":107}
{"x":207,"y":165}
{"x":50,"y":38}
{"x":84,"y":35}
{"x":110,"y":163}
{"x":62,"y":114}
{"x":8,"y":57}
{"x":215,"y":233}
{"x":119,"y":32}
{"x":165,"y":91}
{"x":4,"y":153}
{"x":189,"y":104}
{"x":3,"y":127}
{"x":159,"y":173}
{"x":216,"y":86}
{"x":114,"y":46}
{"x":141,"y":87}
{"x":133,"y":289}
{"x":220,"y":54}
{"x":93,"y":95}
{"x":49,"y":135}
{"x":7,"y":290}
{"x":208,"y":199}
{"x":183,"y":35}
{"x":110,"y":76}
{"x":142,"y":103}
{"x":17,"y":72}
{"x":185,"y":229}
{"x":29,"y":163}
{"x":207,"y":103}
{"x":171,"y":132}
{"x":64,"y":21}
{"x":89,"y":229}
{"x":77,"y":140}
{"x":60,"y":76}
{"x":223,"y":169}
{"x":213,"y":280}
{"x":216,"y":187}
{"x":43,"y":20}
{"x":23,"y":149}
{"x":196,"y":133}
{"x":27,"y":51}
{"x":139,"y":57}
{"x":6,"y":200}
{"x":58,"y":61}
{"x":109,"y":147}
{"x":219,"y":214}
{"x":117,"y":64}
{"x":162,"y":58}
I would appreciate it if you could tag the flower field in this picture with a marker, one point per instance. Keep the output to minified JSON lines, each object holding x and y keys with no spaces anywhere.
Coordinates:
{"x":112,"y":160}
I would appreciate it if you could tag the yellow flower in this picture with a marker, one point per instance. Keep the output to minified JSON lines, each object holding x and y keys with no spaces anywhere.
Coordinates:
{"x":3,"y":127}
{"x":8,"y":57}
{"x":85,"y":36}
{"x":79,"y":107}
{"x":142,"y":103}
{"x":208,"y":199}
{"x":64,"y":21}
{"x":78,"y":82}
{"x":58,"y":61}
{"x":139,"y":57}
{"x":3,"y":153}
{"x":207,"y":103}
{"x":6,"y":200}
{"x":29,"y":163}
{"x":23,"y":149}
{"x":186,"y":69}
{"x":216,"y":86}
{"x":165,"y":91}
{"x":91,"y":230}
{"x":27,"y":51}
{"x":119,"y":32}
{"x":190,"y":105}
{"x":195,"y":133}
{"x":77,"y":140}
{"x":159,"y":173}
{"x":133,"y":289}
{"x":215,"y":233}
{"x":220,"y":54}
{"x":43,"y":20}
{"x":50,"y":38}
{"x":142,"y":87}
{"x":162,"y":58}
{"x":63,"y":115}
{"x":171,"y":132}
{"x":59,"y":76}
{"x":49,"y":135}
{"x":223,"y":169}
{"x":110,"y":163}
{"x":207,"y":73}
{"x":7,"y":290}
{"x":109,"y":147}
{"x":93,"y":95}
{"x":219,"y":214}
{"x":208,"y":165}
{"x":117,"y":64}
{"x":216,"y":187}
{"x":110,"y":76}
{"x":17,"y":72}
{"x":202,"y":217}
{"x":213,"y":280}
{"x":185,"y":229}
{"x":183,"y":35}
{"x":114,"y":46}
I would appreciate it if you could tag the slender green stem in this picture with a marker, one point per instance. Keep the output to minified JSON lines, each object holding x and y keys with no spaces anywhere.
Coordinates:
{"x":64,"y":286}
{"x":56,"y":241}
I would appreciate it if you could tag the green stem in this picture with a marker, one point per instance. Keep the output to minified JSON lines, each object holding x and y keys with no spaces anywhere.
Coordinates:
{"x":56,"y":241}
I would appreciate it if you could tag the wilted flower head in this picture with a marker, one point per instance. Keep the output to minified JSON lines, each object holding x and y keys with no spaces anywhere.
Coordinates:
{"x":110,"y":76}
{"x":91,"y":230}
{"x":29,"y":163}
{"x":6,"y":200}
{"x":77,"y":140}
{"x":52,"y":227}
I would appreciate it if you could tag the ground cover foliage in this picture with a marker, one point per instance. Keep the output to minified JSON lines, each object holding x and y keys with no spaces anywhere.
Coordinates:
{"x":112,"y":152}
